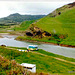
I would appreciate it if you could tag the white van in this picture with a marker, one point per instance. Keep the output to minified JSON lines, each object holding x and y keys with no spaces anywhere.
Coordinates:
{"x":32,"y":47}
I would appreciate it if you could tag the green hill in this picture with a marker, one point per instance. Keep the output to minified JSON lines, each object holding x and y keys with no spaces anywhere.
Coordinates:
{"x":60,"y":22}
{"x":16,"y":18}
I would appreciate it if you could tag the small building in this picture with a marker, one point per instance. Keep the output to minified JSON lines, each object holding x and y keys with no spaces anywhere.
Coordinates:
{"x":32,"y":47}
{"x":29,"y":67}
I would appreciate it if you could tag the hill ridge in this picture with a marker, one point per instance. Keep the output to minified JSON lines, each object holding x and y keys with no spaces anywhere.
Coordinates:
{"x":17,"y":18}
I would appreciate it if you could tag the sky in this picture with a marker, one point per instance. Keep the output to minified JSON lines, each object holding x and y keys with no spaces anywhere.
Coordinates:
{"x":33,"y":7}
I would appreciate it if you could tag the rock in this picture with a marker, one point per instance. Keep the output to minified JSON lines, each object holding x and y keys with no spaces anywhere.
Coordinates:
{"x":3,"y":45}
{"x":71,"y":5}
{"x":29,"y":34}
{"x":59,"y":13}
{"x":45,"y":33}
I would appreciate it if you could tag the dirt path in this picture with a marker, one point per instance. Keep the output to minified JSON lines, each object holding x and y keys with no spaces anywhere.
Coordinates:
{"x":4,"y":33}
{"x":48,"y":56}
{"x":55,"y":58}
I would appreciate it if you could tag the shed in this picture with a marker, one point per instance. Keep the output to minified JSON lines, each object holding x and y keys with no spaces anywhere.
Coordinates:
{"x":29,"y":67}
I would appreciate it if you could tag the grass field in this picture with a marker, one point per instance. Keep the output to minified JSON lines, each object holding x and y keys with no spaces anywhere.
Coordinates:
{"x":45,"y":61}
{"x":61,"y":24}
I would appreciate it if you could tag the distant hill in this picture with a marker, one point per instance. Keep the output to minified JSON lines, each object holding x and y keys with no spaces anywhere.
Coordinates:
{"x":17,"y":18}
{"x":61,"y":21}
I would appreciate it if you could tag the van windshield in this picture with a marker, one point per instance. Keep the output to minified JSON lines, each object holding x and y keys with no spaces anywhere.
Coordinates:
{"x":32,"y":47}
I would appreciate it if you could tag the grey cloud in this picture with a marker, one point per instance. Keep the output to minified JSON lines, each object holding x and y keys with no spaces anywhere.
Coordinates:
{"x":23,"y":7}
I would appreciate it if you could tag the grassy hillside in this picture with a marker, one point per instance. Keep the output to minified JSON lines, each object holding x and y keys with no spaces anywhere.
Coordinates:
{"x":23,"y":26}
{"x":46,"y":62}
{"x":61,"y":21}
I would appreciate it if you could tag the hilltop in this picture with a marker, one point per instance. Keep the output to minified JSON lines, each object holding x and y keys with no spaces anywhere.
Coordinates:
{"x":17,"y":18}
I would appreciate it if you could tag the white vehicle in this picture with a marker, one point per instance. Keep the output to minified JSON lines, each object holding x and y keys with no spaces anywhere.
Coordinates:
{"x":32,"y":47}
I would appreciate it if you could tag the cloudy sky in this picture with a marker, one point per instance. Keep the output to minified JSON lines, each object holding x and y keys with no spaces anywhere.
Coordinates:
{"x":39,"y":7}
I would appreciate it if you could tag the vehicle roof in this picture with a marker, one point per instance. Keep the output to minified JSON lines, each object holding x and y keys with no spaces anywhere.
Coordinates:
{"x":34,"y":45}
{"x":28,"y":65}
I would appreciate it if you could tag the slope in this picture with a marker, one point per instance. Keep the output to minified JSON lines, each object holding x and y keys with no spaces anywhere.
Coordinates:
{"x":61,"y":21}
